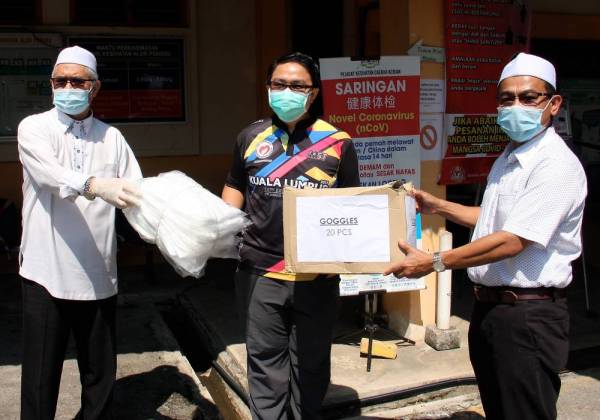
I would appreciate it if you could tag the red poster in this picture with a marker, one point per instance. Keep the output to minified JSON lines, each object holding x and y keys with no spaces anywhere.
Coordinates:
{"x":142,"y":78}
{"x":373,"y":106}
{"x":472,"y":144}
{"x":481,"y":38}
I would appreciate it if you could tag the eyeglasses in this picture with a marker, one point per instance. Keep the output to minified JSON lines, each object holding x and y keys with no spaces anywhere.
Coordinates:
{"x":76,"y":82}
{"x":296,"y":87}
{"x":527,"y":98}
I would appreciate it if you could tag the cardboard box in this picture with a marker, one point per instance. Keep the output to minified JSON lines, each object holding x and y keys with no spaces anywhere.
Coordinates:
{"x":346,"y":230}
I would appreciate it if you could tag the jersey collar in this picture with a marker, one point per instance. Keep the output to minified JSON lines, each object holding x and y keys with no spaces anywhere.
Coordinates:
{"x":301,"y":125}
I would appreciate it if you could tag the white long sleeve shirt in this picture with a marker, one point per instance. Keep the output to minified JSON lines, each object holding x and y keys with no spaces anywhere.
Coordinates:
{"x":69,"y":243}
{"x":536,"y":191}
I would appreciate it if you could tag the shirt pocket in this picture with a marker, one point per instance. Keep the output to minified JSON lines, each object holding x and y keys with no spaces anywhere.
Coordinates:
{"x":108,"y":170}
{"x":505,"y":205}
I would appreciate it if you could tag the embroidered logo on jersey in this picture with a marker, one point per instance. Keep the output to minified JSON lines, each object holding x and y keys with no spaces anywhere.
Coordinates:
{"x":264,"y":149}
{"x":317,"y":155}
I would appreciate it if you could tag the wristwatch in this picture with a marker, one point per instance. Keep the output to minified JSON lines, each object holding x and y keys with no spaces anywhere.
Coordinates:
{"x":438,"y":264}
{"x":87,"y":193}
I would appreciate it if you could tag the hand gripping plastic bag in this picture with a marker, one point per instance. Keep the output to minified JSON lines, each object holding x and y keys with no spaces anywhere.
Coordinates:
{"x":188,"y":223}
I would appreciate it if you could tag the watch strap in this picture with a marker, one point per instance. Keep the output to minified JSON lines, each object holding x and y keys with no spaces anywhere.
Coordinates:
{"x":87,"y":193}
{"x":438,"y":264}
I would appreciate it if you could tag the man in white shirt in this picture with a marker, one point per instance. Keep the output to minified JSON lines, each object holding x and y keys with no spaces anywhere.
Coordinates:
{"x":68,"y":248}
{"x":527,"y":233}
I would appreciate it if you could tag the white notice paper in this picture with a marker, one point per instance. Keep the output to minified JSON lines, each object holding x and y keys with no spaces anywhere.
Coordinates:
{"x":355,"y":284}
{"x":432,"y":95}
{"x":343,"y":228}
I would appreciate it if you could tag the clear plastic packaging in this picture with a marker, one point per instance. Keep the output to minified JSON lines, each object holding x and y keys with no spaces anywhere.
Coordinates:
{"x":188,"y":223}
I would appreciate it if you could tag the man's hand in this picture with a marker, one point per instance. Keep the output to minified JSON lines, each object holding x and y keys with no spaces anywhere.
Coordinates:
{"x":430,"y":204}
{"x":116,"y":191}
{"x":416,"y":264}
{"x":426,"y":203}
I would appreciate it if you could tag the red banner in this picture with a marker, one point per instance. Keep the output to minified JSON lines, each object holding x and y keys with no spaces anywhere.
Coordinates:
{"x":481,"y":37}
{"x":373,"y":106}
{"x":142,"y":79}
{"x":473,"y":143}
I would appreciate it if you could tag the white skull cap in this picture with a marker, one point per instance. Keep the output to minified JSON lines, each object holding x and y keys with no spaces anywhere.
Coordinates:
{"x":76,"y":55}
{"x":530,"y":65}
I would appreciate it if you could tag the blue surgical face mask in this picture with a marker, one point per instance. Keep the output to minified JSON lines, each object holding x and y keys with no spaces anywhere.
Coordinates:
{"x":288,"y":105}
{"x":521,"y":123}
{"x":71,"y":101}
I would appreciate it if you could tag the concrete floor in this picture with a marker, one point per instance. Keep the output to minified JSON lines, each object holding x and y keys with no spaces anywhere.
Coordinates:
{"x":578,"y":401}
{"x":416,"y":365}
{"x":154,"y":379}
{"x":210,"y":306}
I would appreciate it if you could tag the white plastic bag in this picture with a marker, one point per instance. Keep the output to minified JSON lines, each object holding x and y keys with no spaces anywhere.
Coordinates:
{"x":188,"y":223}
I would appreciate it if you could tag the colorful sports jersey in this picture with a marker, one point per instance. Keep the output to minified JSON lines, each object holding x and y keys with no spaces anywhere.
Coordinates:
{"x":266,"y":159}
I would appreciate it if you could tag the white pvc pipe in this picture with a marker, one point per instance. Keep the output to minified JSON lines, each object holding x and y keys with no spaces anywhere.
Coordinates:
{"x":444,"y":286}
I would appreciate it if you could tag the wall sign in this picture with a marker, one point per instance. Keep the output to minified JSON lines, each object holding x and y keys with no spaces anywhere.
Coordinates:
{"x":481,"y":38}
{"x":26,"y":62}
{"x":142,"y":79}
{"x":377,"y":103}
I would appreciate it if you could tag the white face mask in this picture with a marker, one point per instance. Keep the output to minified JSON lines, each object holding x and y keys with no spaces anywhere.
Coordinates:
{"x":521,"y":123}
{"x":71,"y":101}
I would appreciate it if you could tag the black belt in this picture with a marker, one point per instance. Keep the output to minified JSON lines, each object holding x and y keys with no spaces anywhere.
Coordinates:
{"x":511,"y":295}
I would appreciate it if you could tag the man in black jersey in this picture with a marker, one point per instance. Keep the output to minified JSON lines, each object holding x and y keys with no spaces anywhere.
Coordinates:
{"x":288,"y":317}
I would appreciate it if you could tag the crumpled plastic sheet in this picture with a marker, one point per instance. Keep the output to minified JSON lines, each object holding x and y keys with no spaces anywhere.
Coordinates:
{"x":188,"y":223}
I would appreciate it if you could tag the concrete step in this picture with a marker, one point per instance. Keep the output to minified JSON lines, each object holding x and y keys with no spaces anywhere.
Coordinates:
{"x":419,"y":372}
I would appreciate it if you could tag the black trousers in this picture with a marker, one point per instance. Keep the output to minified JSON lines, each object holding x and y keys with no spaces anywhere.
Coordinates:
{"x":289,"y":325}
{"x":517,"y":352}
{"x":47,"y":323}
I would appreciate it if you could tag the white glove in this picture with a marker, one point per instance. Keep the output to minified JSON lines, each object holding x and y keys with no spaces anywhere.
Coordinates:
{"x":116,"y":191}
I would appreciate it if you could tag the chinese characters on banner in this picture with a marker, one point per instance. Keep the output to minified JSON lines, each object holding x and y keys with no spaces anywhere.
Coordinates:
{"x":481,"y":37}
{"x":377,"y":103}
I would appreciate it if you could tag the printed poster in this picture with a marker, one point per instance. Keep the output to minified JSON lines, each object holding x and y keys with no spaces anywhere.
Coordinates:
{"x":26,"y":62}
{"x":432,"y":131}
{"x":433,"y":98}
{"x":473,"y":142}
{"x":142,"y":78}
{"x":377,"y":103}
{"x":481,"y":38}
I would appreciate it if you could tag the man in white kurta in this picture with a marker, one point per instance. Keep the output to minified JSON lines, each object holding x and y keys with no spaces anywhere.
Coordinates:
{"x":74,"y":171}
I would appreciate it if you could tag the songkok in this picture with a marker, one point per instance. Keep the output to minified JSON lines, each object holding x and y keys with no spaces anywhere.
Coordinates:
{"x":530,"y":65}
{"x":77,"y":55}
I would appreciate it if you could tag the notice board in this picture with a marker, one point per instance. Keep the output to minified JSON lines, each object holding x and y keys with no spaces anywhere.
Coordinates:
{"x":26,"y":62}
{"x":142,"y":78}
{"x":377,"y":103}
{"x":481,"y":38}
